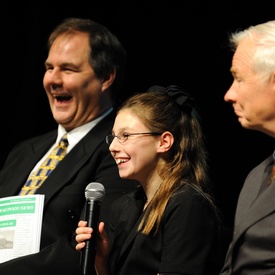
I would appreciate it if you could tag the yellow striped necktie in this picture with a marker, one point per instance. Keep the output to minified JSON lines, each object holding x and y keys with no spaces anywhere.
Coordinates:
{"x":38,"y":177}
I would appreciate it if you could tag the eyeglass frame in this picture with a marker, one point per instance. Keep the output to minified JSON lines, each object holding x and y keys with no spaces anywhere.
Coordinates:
{"x":127,"y":135}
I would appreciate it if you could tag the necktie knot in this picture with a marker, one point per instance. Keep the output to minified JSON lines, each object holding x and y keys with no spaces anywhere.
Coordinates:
{"x":64,"y":141}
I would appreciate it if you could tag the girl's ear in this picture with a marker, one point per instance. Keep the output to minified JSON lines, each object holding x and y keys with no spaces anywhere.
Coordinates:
{"x":166,"y":141}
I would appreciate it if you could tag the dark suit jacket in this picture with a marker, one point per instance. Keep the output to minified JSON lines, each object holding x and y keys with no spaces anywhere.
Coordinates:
{"x":187,"y":241}
{"x":252,"y":250}
{"x":89,"y":161}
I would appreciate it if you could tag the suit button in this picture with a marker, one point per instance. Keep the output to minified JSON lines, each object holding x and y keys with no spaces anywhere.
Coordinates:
{"x":71,"y":214}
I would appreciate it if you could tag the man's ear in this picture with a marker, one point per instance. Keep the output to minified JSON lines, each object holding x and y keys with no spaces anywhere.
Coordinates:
{"x":165,"y":142}
{"x":109,"y":81}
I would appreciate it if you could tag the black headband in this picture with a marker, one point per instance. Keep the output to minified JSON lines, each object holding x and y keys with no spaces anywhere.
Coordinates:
{"x":178,"y":94}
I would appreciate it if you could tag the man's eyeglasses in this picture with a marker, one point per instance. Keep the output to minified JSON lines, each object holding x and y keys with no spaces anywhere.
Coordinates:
{"x":122,"y":137}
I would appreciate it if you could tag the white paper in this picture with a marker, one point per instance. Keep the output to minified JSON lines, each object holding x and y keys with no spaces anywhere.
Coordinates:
{"x":20,"y":225}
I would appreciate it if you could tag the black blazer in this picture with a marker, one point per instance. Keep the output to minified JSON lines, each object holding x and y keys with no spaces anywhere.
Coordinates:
{"x":89,"y":161}
{"x":187,"y":241}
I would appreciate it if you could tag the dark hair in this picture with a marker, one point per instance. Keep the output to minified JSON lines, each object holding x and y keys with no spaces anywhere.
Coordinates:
{"x":107,"y":53}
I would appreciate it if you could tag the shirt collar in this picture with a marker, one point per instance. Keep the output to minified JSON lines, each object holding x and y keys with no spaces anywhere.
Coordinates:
{"x":78,"y":133}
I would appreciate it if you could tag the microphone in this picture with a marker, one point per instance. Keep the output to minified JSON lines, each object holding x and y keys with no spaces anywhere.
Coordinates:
{"x":94,"y":194}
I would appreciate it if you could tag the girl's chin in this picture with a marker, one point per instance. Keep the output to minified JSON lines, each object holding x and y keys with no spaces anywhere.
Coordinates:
{"x":123,"y":176}
{"x":126,"y":176}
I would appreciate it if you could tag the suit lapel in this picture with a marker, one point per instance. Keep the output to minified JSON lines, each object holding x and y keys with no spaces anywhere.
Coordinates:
{"x":124,"y":237}
{"x":76,"y":158}
{"x":133,"y":225}
{"x":35,"y":148}
{"x":253,"y":200}
{"x":24,"y":162}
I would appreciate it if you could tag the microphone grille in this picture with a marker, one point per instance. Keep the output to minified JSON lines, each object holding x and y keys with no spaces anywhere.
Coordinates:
{"x":95,"y":191}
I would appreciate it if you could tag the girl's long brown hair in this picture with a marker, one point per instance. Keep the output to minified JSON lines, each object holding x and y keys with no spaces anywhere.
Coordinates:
{"x":187,"y":161}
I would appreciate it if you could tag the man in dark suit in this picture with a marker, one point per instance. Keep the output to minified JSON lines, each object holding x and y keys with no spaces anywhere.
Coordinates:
{"x":84,"y":68}
{"x":252,"y":94}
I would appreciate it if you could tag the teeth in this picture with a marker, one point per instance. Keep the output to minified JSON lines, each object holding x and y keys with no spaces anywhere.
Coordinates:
{"x":118,"y":161}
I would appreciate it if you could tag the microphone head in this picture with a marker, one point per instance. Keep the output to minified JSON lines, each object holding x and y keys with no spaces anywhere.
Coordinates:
{"x":95,"y":191}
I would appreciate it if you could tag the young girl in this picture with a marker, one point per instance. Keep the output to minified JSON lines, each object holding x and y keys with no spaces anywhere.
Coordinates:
{"x":170,"y":224}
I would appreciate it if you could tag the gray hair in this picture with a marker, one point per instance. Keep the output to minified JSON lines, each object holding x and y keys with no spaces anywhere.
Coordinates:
{"x":263,"y":36}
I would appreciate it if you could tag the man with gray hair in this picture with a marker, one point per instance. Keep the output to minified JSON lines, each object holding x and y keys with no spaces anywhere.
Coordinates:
{"x":252,"y":94}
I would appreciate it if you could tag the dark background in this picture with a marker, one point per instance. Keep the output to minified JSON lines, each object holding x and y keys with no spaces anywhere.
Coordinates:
{"x":168,"y":42}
